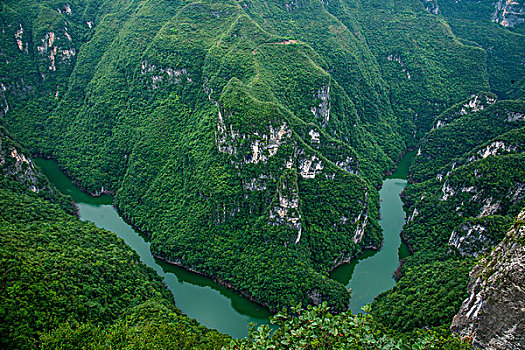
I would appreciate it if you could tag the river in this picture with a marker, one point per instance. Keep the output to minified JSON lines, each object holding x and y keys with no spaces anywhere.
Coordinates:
{"x":220,"y":308}
{"x":197,"y":296}
{"x":372,"y":273}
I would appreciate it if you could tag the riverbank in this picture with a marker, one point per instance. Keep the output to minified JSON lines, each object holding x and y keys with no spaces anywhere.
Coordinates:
{"x":199,"y":297}
{"x":372,"y":272}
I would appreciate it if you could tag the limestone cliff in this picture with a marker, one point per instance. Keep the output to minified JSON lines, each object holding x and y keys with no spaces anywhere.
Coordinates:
{"x":509,"y":13}
{"x":492,"y":316}
{"x":19,"y":173}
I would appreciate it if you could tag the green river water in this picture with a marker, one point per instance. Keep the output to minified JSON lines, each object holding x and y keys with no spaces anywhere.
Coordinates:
{"x":372,"y":273}
{"x":218,"y":307}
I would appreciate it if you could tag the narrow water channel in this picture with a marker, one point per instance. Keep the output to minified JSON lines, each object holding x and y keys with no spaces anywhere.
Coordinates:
{"x":372,"y":273}
{"x":197,"y":296}
{"x":220,"y":308}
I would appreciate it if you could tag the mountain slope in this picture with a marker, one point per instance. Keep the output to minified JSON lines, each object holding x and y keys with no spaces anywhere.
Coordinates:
{"x":471,"y":191}
{"x":65,"y":282}
{"x":246,"y":138}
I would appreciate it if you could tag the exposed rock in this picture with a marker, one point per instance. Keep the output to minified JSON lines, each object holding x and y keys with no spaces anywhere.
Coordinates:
{"x":448,"y":191}
{"x":322,"y":111}
{"x":51,"y":50}
{"x":361,"y":221}
{"x":496,"y":147}
{"x":432,"y":6}
{"x":412,"y":216}
{"x":469,"y":239}
{"x":4,"y":106}
{"x":18,"y":38}
{"x":509,"y":13}
{"x":20,"y":167}
{"x":493,"y":315}
{"x":159,"y":75}
{"x":310,"y":166}
{"x":262,"y":146}
{"x":348,"y":164}
{"x":517,"y":193}
{"x":515,"y":117}
{"x":475,"y":103}
{"x":314,"y":136}
{"x":285,"y":211}
{"x":490,"y":207}
{"x":397,"y":58}
{"x":256,"y":184}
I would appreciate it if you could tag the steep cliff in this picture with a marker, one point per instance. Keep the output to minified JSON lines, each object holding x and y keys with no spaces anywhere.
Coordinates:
{"x":492,"y":316}
{"x":470,"y":168}
{"x":246,"y":138}
{"x":19,"y":173}
{"x":509,"y":13}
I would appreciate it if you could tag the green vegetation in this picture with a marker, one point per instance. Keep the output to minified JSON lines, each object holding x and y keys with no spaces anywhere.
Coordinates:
{"x":193,"y":113}
{"x":441,"y":146}
{"x":248,"y":139}
{"x":316,"y":328}
{"x":20,"y":175}
{"x":427,"y":296}
{"x":471,"y":187}
{"x":68,"y":284}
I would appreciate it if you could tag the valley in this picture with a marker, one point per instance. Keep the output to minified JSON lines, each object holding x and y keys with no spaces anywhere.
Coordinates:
{"x":248,"y":143}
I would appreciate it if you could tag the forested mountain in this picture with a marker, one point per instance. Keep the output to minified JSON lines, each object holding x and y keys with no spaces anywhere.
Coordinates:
{"x":248,"y":138}
{"x":470,"y":173}
{"x":66,"y":283}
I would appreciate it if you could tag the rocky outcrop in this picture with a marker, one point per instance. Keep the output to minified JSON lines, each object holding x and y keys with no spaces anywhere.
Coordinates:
{"x":475,"y":103}
{"x":322,"y":111}
{"x":17,"y":166}
{"x":50,"y":49}
{"x":285,"y":209}
{"x":160,"y":75}
{"x":493,"y":315}
{"x":431,"y":6}
{"x":255,"y":147}
{"x":509,"y":13}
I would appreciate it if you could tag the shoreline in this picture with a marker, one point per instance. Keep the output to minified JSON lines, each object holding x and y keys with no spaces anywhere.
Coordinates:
{"x":128,"y":221}
{"x":218,"y":281}
{"x":337,"y":263}
{"x":73,"y":179}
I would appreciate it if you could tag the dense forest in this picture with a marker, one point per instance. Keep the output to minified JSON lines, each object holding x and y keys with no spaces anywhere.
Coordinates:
{"x":68,"y":284}
{"x":248,"y":140}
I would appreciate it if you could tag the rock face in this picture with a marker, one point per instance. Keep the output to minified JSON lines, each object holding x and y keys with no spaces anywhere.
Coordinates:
{"x":509,"y":13}
{"x":475,"y":103}
{"x":493,"y":315}
{"x":431,"y":6}
{"x":16,"y":166}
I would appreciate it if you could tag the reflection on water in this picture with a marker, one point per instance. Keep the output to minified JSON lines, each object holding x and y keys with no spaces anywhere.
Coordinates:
{"x":197,"y":296}
{"x":220,"y":308}
{"x":372,"y":273}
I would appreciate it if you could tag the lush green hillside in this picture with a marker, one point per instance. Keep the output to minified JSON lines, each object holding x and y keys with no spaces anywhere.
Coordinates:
{"x":442,"y":145}
{"x":249,"y":135}
{"x":20,"y":175}
{"x":472,"y":188}
{"x":469,"y":172}
{"x":67,"y":284}
{"x":498,"y":29}
{"x":248,"y":138}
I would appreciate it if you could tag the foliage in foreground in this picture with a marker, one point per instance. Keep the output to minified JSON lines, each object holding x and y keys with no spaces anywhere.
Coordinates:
{"x":152,"y":325}
{"x":316,"y":328}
